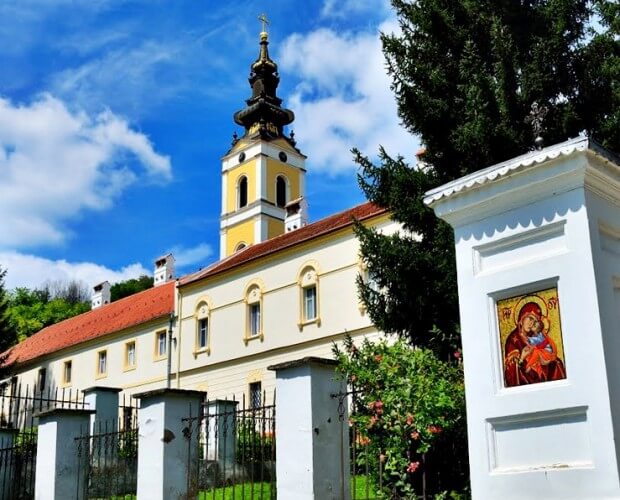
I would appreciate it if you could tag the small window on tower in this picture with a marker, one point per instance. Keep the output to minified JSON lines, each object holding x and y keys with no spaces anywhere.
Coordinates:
{"x":243,"y":192}
{"x":280,"y":191}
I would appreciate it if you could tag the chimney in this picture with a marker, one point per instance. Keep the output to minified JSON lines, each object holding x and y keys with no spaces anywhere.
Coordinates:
{"x":296,"y":214}
{"x":101,"y":295}
{"x":164,"y":269}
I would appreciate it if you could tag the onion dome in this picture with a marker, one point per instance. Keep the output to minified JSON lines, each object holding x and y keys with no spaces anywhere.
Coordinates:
{"x":264,"y":116}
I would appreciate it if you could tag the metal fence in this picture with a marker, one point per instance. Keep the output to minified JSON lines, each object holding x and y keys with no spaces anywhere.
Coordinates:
{"x":19,"y":407}
{"x":232,"y":449}
{"x":107,"y":456}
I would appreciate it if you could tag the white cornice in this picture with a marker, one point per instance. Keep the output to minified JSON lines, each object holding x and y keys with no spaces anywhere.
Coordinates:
{"x":497,"y":172}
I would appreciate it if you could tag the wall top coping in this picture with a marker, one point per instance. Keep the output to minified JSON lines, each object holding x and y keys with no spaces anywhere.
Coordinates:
{"x":168,"y":392}
{"x":99,"y":388}
{"x":528,"y":160}
{"x":309,"y":360}
{"x":64,"y":411}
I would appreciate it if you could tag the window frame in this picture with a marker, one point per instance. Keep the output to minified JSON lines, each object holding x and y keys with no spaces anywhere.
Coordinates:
{"x":67,"y":363}
{"x":308,"y":278}
{"x":202,"y":313}
{"x":41,"y":379}
{"x":287,"y":196}
{"x":251,"y":392}
{"x":99,"y":373}
{"x":126,"y":365}
{"x":157,"y":355}
{"x":253,"y":301}
{"x":240,"y":180}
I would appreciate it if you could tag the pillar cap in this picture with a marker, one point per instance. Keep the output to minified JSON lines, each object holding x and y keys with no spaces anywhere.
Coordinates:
{"x":309,"y":360}
{"x":100,"y":388}
{"x":168,"y":392}
{"x":64,"y":411}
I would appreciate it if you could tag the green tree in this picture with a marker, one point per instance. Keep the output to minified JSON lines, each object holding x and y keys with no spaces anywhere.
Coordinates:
{"x":407,"y":418}
{"x":33,"y":310}
{"x":130,"y":286}
{"x":465,"y":74}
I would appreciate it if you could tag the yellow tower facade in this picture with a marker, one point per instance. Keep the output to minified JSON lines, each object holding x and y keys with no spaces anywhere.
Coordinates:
{"x":263,"y":171}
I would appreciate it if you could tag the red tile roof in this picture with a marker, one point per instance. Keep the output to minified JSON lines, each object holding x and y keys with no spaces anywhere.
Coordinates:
{"x":139,"y":308}
{"x":287,"y":240}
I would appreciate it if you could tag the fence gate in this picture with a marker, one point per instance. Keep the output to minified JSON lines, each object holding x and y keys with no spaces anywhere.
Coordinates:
{"x":107,"y":457}
{"x":236,"y":456}
{"x":18,"y":434}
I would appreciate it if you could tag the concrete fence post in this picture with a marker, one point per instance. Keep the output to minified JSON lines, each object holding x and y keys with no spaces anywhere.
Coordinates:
{"x":167,"y":446}
{"x":221,"y":419}
{"x":7,"y":441}
{"x":104,"y":400}
{"x":58,"y":474}
{"x":312,"y":439}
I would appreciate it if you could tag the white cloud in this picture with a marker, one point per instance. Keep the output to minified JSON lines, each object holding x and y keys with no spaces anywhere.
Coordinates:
{"x":187,"y":256}
{"x":30,"y":271}
{"x":55,"y":163}
{"x":344,"y":99}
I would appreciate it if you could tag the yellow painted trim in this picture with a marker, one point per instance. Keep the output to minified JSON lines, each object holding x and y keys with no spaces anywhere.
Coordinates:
{"x":156,"y":355}
{"x":126,"y":366}
{"x":65,"y":382}
{"x":303,"y":321}
{"x":98,"y":374}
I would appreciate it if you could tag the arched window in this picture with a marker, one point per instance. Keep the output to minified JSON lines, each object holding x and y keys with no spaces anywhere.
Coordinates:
{"x":308,"y":282}
{"x":240,"y":246}
{"x":242,"y":192}
{"x":281,"y":191}
{"x":203,"y":327}
{"x":254,"y":321}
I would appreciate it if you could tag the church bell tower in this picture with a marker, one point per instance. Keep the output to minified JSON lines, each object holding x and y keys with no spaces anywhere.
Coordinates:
{"x":263,"y":171}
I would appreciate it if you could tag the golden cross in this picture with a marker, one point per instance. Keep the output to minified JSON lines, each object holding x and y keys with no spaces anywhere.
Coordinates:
{"x":263,"y":19}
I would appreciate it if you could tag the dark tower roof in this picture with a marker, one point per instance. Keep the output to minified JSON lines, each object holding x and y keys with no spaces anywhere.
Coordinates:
{"x":264,"y":116}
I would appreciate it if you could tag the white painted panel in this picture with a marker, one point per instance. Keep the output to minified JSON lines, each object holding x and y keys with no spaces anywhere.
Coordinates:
{"x":535,"y":441}
{"x":513,"y":251}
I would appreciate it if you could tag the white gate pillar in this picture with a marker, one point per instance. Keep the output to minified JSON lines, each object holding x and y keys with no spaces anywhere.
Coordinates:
{"x":58,"y":472}
{"x":167,"y":446}
{"x":538,"y":261}
{"x":312,"y":439}
{"x":104,"y":400}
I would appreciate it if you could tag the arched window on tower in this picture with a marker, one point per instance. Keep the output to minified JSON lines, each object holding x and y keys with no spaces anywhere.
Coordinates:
{"x":281,"y":191}
{"x":242,"y":192}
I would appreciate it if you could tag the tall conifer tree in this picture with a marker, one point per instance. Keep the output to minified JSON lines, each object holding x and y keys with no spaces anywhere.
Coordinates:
{"x":465,"y":74}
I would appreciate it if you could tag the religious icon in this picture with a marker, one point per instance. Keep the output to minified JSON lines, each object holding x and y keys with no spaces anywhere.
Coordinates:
{"x":531,"y":338}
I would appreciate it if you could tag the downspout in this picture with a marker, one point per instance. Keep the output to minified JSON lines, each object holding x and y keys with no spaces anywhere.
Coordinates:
{"x":178,"y":344}
{"x":171,"y":319}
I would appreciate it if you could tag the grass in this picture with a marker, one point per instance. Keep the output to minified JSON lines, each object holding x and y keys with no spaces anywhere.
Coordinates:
{"x":262,"y":491}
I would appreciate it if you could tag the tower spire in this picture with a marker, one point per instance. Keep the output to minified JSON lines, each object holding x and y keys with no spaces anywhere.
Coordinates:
{"x":264,"y":116}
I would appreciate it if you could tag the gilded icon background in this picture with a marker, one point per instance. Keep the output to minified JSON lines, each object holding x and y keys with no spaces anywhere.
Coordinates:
{"x":531,"y":338}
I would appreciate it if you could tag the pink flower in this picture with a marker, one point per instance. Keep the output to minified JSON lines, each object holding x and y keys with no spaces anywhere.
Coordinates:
{"x":434,"y":429}
{"x":409,"y":419}
{"x":413,"y":466}
{"x":457,"y":354}
{"x":378,"y":358}
{"x":373,"y":421}
{"x":415,"y":435}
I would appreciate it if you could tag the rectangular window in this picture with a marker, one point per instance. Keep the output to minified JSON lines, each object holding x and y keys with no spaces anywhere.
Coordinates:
{"x":254,"y":319}
{"x":66,"y":372}
{"x":130,"y":354}
{"x":41,"y":379}
{"x":102,"y":362}
{"x":161,"y":344}
{"x":203,"y":333}
{"x":256,"y":396}
{"x":310,"y":303}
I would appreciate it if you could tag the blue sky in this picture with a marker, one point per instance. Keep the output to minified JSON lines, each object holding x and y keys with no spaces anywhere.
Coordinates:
{"x":114,"y":115}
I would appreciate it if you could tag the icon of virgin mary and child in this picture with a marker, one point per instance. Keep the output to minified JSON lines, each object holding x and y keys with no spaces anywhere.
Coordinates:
{"x":531,"y":355}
